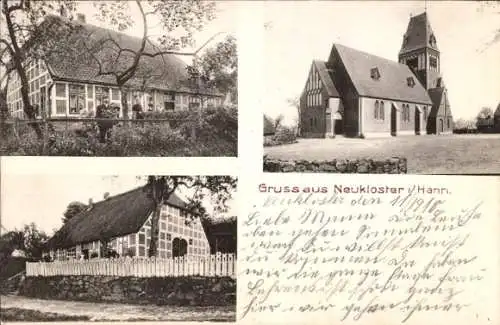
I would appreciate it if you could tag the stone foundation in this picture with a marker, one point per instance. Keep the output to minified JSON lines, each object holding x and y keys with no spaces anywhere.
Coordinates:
{"x":181,"y":291}
{"x":389,"y":166}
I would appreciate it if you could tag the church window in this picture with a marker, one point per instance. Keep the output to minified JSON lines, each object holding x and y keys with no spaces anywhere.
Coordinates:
{"x":375,"y":73}
{"x":432,"y":40}
{"x":312,"y":122}
{"x":376,"y":109}
{"x":433,"y":62}
{"x":406,"y":113}
{"x":382,"y":111}
{"x":425,"y":113}
{"x":449,"y":123}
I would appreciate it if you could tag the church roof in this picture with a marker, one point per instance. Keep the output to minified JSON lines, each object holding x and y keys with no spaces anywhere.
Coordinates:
{"x":497,"y":112}
{"x":393,"y":81}
{"x":436,"y":95}
{"x":418,"y":34}
{"x":326,"y":78}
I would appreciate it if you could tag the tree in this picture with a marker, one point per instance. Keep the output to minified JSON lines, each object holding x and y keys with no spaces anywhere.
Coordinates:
{"x":295,"y":102}
{"x":22,"y":38}
{"x":178,"y":20}
{"x":217,"y":68}
{"x":159,"y":188}
{"x":73,"y":209}
{"x":485,"y":113}
{"x":494,"y":7}
{"x":30,"y":239}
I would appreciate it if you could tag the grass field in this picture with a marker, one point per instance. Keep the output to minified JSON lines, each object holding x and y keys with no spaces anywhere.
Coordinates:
{"x":426,"y":154}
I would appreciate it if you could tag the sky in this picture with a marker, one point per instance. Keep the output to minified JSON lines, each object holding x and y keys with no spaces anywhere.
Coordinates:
{"x":298,"y":32}
{"x":42,"y":199}
{"x":224,"y":23}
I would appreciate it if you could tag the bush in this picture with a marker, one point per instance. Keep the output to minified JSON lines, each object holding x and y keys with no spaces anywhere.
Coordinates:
{"x":216,"y":133}
{"x":283,"y":135}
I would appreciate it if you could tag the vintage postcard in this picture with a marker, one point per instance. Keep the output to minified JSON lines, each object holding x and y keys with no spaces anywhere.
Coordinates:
{"x":382,"y":87}
{"x":157,"y":225}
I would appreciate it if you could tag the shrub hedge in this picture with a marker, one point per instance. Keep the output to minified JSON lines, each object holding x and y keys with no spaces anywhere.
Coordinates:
{"x":216,"y":134}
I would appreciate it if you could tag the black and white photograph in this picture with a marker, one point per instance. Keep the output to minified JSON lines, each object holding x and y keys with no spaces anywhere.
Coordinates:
{"x":382,"y":87}
{"x":118,"y":248}
{"x":118,"y":78}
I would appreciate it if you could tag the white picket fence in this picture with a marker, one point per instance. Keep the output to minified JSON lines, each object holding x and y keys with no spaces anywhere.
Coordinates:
{"x":213,"y":265}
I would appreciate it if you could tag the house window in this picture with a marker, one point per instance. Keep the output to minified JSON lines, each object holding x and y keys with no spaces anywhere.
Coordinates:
{"x":76,"y":99}
{"x":169,"y":237}
{"x":142,"y":251}
{"x":90,"y":92}
{"x":115,"y":94}
{"x":142,"y":239}
{"x":60,"y":90}
{"x":190,"y":241}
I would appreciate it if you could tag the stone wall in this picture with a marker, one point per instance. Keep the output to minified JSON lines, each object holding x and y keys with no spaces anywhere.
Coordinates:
{"x":181,"y":291}
{"x":388,"y":166}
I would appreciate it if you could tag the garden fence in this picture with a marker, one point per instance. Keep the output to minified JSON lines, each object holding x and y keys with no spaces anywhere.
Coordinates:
{"x":212,"y":265}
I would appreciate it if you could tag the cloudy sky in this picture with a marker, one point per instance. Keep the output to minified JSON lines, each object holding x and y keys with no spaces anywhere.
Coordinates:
{"x":298,"y":32}
{"x":42,"y":199}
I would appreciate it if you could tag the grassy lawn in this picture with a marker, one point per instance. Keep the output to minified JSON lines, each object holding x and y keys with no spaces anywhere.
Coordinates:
{"x":427,"y":154}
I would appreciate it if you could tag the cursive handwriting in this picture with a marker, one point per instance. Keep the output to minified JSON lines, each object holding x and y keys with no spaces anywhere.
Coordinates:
{"x":360,"y":251}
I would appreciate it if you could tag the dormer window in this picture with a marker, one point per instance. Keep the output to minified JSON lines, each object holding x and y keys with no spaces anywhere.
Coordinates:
{"x":410,"y":81}
{"x":375,"y":74}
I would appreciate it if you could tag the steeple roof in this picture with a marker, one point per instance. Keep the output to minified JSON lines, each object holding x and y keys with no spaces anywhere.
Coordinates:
{"x":419,"y":34}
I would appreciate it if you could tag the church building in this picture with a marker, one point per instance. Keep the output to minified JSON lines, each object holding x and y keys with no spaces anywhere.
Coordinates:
{"x":359,"y":94}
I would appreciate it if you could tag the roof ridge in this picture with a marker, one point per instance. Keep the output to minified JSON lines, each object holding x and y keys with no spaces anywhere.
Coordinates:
{"x":120,"y":194}
{"x":84,"y":24}
{"x":374,"y":55}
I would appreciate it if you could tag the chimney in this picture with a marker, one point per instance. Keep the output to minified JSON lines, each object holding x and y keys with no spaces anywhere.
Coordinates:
{"x":80,"y":17}
{"x":106,"y":195}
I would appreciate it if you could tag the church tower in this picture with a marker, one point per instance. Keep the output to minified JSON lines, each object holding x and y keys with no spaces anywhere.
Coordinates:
{"x":419,"y":51}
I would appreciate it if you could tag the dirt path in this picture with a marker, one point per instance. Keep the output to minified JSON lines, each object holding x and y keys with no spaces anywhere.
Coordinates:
{"x":121,"y":312}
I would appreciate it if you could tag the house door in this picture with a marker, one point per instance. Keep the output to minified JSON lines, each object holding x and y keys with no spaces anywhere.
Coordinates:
{"x":179,"y":247}
{"x":417,"y":120}
{"x":394,"y":120}
{"x":441,"y":125}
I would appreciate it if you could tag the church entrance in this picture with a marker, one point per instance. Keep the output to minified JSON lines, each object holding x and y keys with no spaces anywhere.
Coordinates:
{"x":394,"y":120}
{"x":328,"y":120}
{"x":417,"y":120}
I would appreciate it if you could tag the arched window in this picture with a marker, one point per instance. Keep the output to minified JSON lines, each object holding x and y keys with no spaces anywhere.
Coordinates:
{"x":382,"y":111}
{"x":376,"y":109}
